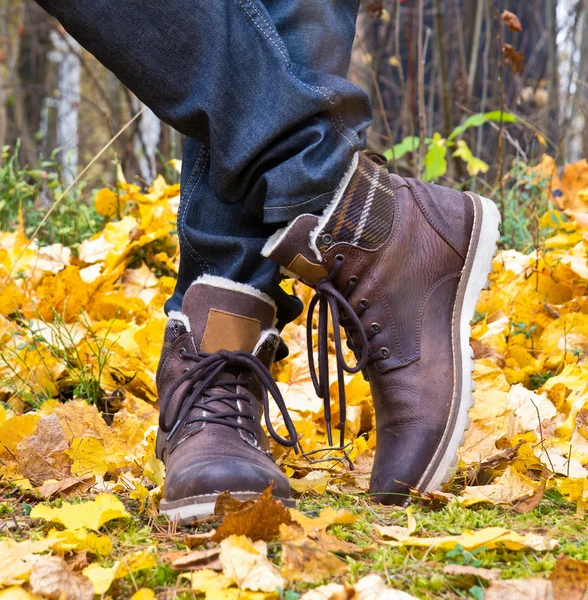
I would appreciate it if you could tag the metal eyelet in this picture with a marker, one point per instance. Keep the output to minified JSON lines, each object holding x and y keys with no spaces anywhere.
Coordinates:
{"x":327,"y":239}
{"x":385,"y":352}
{"x":353,"y":279}
{"x":185,"y":370}
{"x":340,"y":258}
{"x":364,"y":303}
{"x":376,"y":327}
{"x":182,"y":352}
{"x":252,"y":418}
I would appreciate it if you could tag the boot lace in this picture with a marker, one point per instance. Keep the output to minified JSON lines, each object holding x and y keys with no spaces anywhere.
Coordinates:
{"x":330,"y":299}
{"x":206,"y":385}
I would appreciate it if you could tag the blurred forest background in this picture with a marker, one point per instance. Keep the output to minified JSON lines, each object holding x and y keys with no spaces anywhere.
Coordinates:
{"x":428,"y":65}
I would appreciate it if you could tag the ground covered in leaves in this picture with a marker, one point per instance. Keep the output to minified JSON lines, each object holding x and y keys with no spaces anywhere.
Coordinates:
{"x":80,"y":335}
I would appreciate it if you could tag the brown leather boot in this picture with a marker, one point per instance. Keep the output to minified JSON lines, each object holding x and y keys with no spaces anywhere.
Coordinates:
{"x":400,"y":265}
{"x":213,"y":384}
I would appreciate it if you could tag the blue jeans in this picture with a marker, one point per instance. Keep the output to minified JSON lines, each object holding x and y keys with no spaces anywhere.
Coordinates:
{"x":259,"y":90}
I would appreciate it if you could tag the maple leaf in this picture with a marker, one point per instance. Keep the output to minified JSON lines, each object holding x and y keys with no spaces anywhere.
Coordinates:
{"x":259,"y":520}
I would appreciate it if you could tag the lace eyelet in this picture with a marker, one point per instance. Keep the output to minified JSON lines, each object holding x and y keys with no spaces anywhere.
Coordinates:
{"x":182,"y":352}
{"x":327,"y":239}
{"x":364,"y":303}
{"x":340,"y":258}
{"x":252,"y":418}
{"x":376,"y":327}
{"x":353,"y":279}
{"x":185,"y":370}
{"x":385,"y":352}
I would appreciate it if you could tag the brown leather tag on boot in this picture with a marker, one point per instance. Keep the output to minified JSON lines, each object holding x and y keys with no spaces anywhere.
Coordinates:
{"x":227,"y":331}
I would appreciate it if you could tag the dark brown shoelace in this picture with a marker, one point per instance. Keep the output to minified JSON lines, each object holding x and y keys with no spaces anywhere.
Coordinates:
{"x":206,"y":385}
{"x":343,"y":314}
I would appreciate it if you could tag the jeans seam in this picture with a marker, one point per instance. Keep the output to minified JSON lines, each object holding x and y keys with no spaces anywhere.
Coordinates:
{"x":299,"y":203}
{"x":308,"y":86}
{"x":306,"y":201}
{"x":184,"y":209}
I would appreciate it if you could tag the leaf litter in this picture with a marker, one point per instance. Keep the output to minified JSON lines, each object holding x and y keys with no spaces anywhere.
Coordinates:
{"x":80,"y":333}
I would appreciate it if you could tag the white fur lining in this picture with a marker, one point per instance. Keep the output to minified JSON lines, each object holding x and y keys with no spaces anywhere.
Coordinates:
{"x":227,"y":284}
{"x":176,"y":315}
{"x":263,"y":337}
{"x":333,"y":205}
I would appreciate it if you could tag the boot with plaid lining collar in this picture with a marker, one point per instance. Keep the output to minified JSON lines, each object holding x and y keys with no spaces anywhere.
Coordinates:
{"x":400,"y":265}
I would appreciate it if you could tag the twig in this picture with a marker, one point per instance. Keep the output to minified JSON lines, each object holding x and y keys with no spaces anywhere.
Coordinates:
{"x":421,"y":85}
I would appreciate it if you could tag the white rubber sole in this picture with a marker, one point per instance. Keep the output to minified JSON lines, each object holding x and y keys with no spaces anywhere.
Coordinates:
{"x":476,"y":270}
{"x":188,"y":510}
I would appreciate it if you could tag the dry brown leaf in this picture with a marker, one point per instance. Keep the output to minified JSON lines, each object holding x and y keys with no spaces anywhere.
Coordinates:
{"x":310,"y":564}
{"x":521,"y":589}
{"x":52,"y":578}
{"x":532,"y":502}
{"x":514,"y":59}
{"x":513,"y":22}
{"x":481,"y":350}
{"x":260,"y":520}
{"x":53,"y":487}
{"x":472,"y":572}
{"x":570,"y":578}
{"x":225,"y":504}
{"x":319,"y":538}
{"x":247,"y":564}
{"x":41,"y":456}
{"x":194,"y":540}
{"x":79,"y":561}
{"x":195,"y":560}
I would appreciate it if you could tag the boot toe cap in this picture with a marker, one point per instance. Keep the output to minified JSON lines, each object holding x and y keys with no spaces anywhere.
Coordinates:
{"x":218,"y":475}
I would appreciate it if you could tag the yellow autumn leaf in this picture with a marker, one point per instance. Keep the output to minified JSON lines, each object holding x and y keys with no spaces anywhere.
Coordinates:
{"x":89,"y":457}
{"x":108,"y":203}
{"x":327,"y":517}
{"x":491,"y":537}
{"x":14,"y":567}
{"x":143,"y":594}
{"x":216,"y":586}
{"x":102,"y":577}
{"x":91,"y":515}
{"x":17,"y":593}
{"x":81,"y":539}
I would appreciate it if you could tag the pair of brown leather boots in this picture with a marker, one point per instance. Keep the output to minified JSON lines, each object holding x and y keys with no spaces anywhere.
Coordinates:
{"x":399,"y":264}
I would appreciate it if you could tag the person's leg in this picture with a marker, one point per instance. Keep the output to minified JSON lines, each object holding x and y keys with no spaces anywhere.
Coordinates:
{"x":280,"y":134}
{"x":283,"y":119}
{"x":226,"y":239}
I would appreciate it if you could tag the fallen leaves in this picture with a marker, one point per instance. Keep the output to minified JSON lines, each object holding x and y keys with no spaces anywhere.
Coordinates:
{"x":327,"y":517}
{"x":259,"y":520}
{"x":52,"y":578}
{"x":16,"y":559}
{"x":102,"y":577}
{"x":490,"y":537}
{"x":92,"y":514}
{"x":371,"y":587}
{"x":246,"y":563}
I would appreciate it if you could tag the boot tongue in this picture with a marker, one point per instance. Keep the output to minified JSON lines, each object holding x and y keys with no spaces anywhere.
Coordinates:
{"x":225,"y":315}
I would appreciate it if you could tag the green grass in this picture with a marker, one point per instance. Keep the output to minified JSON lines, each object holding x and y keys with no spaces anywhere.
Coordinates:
{"x":416,"y":571}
